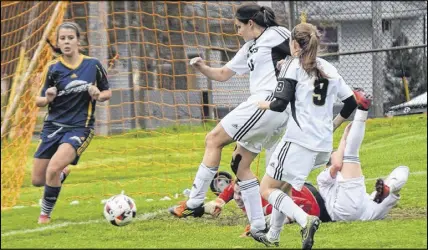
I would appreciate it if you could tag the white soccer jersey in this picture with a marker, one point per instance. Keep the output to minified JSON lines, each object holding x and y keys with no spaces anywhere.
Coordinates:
{"x":259,"y":57}
{"x":311,"y":126}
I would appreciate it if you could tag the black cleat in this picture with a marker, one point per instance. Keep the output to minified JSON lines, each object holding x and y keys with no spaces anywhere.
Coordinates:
{"x":182,"y":211}
{"x":309,"y":230}
{"x":261,"y":236}
{"x":382,"y":191}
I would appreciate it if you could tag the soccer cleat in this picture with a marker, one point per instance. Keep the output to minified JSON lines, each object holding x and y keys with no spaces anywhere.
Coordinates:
{"x":246,"y":232}
{"x":382,"y":191}
{"x":261,"y":236}
{"x":363,"y":99}
{"x":392,"y":184}
{"x":182,"y":211}
{"x":44,"y":219}
{"x":309,"y":230}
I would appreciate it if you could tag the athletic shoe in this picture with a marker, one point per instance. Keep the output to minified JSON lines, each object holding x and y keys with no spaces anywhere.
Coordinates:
{"x":182,"y":211}
{"x":44,"y":219}
{"x":382,"y":191}
{"x":261,"y":236}
{"x":363,"y":99}
{"x":309,"y":230}
{"x":246,"y":232}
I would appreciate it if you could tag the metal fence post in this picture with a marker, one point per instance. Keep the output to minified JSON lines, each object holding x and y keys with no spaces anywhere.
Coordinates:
{"x":376,"y":59}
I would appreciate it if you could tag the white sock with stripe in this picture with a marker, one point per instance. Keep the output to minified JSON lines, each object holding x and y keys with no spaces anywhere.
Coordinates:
{"x":202,"y":181}
{"x":277,"y":221}
{"x":286,"y":205}
{"x":250,"y":192}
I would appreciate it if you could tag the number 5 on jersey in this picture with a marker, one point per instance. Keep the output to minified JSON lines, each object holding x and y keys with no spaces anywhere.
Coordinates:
{"x":320,"y":91}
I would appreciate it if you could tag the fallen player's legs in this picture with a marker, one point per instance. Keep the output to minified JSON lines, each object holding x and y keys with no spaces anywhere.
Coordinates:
{"x":351,"y":160}
{"x":345,"y":195}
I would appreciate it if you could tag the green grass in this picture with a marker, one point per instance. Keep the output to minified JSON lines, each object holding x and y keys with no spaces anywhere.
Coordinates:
{"x":151,"y":165}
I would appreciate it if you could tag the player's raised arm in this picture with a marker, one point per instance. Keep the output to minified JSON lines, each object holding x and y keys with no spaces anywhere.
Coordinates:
{"x":219,"y":74}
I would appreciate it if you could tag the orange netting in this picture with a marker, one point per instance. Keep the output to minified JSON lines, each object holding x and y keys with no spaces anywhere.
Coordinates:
{"x":22,"y":28}
{"x":147,"y":46}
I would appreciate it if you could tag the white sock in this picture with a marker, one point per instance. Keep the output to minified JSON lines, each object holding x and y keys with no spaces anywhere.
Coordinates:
{"x":355,"y":137}
{"x":200,"y":185}
{"x":250,"y":192}
{"x":277,"y":221}
{"x":286,"y":205}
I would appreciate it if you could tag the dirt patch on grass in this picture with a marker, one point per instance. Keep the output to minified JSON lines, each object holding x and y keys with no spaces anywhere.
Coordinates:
{"x":407,"y":213}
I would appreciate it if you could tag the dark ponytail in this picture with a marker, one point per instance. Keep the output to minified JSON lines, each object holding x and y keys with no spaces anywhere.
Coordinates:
{"x":261,"y":15}
{"x":308,"y":38}
{"x":55,"y":49}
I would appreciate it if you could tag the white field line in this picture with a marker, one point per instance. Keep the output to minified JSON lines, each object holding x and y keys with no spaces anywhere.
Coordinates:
{"x":411,"y":173}
{"x":142,"y":217}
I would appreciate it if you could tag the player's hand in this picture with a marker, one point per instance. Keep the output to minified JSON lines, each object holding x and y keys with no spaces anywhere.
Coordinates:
{"x":279,"y":64}
{"x":51,"y":94}
{"x":197,"y":62}
{"x":262,"y":104}
{"x":94,"y":92}
{"x":214,"y":207}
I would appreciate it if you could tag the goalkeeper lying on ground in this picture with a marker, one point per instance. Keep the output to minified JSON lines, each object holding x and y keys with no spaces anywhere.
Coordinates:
{"x":342,"y":193}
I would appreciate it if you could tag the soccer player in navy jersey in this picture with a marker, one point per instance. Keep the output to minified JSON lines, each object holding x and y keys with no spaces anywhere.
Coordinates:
{"x":72,"y":84}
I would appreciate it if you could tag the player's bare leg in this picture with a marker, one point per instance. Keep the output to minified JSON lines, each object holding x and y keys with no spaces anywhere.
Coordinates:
{"x":38,"y":174}
{"x":214,"y":143}
{"x":60,"y":160}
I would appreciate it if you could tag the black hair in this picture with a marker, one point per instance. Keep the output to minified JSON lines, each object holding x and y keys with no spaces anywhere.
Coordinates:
{"x":65,"y":25}
{"x":261,"y":15}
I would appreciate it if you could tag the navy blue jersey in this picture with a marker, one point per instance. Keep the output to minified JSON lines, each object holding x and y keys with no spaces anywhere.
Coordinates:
{"x":73,"y":105}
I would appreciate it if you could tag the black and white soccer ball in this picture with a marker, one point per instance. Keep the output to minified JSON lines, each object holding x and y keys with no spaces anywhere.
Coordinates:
{"x":120,"y":210}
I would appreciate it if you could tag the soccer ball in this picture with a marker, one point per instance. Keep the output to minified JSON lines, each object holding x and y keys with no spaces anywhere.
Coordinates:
{"x":120,"y":210}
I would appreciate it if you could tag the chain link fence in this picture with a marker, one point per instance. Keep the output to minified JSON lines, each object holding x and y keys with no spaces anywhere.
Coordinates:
{"x":379,"y":46}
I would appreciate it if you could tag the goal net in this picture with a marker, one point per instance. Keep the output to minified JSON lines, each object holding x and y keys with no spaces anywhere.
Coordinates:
{"x":150,"y":134}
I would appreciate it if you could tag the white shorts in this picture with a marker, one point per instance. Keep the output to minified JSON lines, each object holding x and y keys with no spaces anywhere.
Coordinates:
{"x":293,"y":163}
{"x":347,"y":200}
{"x":253,"y":128}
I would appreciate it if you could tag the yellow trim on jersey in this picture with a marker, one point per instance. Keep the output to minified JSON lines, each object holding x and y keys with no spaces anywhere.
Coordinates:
{"x":87,"y":57}
{"x":38,"y":144}
{"x":45,"y":74}
{"x":89,"y":113}
{"x":86,"y":143}
{"x":81,"y":57}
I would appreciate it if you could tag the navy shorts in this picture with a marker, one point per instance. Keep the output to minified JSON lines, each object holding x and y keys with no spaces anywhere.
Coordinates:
{"x":52,"y":136}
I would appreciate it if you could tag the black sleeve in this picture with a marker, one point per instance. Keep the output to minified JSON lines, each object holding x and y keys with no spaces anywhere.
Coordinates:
{"x":285,"y":89}
{"x":102,"y":80}
{"x":279,"y":105}
{"x":349,"y":107}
